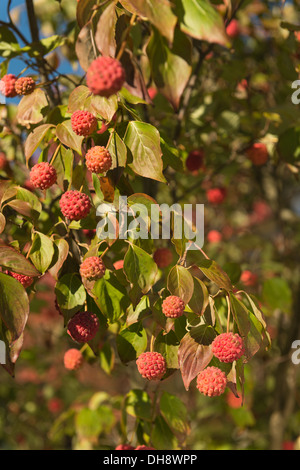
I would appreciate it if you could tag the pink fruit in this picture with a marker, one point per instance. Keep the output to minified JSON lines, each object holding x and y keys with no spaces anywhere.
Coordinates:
{"x":163,"y":257}
{"x":124,"y":447}
{"x":173,"y":306}
{"x":214,"y":236}
{"x":105,"y":76}
{"x":249,"y":278}
{"x":216,"y":195}
{"x":195,"y":160}
{"x":7,"y":85}
{"x":258,"y":154}
{"x":73,"y":359}
{"x":75,"y":205}
{"x":98,"y":159}
{"x":228,"y":347}
{"x":92,"y":268}
{"x":211,"y":381}
{"x":24,"y":85}
{"x":83,"y":327}
{"x":151,"y":365}
{"x":84,"y":123}
{"x":26,"y":281}
{"x":43,"y":175}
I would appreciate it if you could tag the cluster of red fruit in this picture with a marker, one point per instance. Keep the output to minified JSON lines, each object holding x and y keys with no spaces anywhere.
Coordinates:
{"x":11,"y":86}
{"x":212,"y":381}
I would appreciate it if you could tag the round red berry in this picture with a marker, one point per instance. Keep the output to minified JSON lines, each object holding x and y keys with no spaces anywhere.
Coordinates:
{"x":258,"y":154}
{"x":92,"y":268}
{"x":7,"y":85}
{"x":216,"y":195}
{"x":105,"y":76}
{"x":173,"y":306}
{"x":228,"y":347}
{"x":26,"y":281}
{"x":24,"y":85}
{"x":163,"y":257}
{"x":211,"y":381}
{"x":142,"y":447}
{"x":73,"y":359}
{"x":3,"y":161}
{"x":214,"y":236}
{"x":98,"y":159}
{"x":151,"y":365}
{"x":248,"y":278}
{"x":43,"y":175}
{"x":75,"y":205}
{"x":195,"y":160}
{"x":83,"y":327}
{"x":84,"y":123}
{"x":124,"y":447}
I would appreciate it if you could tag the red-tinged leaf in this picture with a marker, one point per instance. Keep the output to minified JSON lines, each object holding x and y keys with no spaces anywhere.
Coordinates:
{"x":15,"y":261}
{"x":80,"y":98}
{"x":67,"y":137}
{"x":180,"y":282}
{"x":241,"y":315}
{"x":35,"y":138}
{"x":170,"y":67}
{"x":62,"y":254}
{"x":84,"y":11}
{"x":105,"y":32}
{"x":158,"y":12}
{"x":194,"y":352}
{"x":14,"y":305}
{"x":84,"y":47}
{"x":2,"y":222}
{"x":201,"y":20}
{"x":31,"y":106}
{"x":215,"y":273}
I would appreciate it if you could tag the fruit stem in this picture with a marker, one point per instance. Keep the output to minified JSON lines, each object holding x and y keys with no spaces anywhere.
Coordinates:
{"x":228,"y":313}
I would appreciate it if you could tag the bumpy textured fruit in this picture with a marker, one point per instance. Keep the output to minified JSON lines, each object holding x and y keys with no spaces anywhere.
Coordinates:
{"x":92,"y":268}
{"x":26,"y":281}
{"x":173,"y":306}
{"x":228,"y":347}
{"x":214,"y":236}
{"x":141,"y":447}
{"x":83,"y":123}
{"x":3,"y":161}
{"x":43,"y":175}
{"x":124,"y":447}
{"x":195,"y":160}
{"x":98,"y":159}
{"x":24,"y":85}
{"x":248,"y":278}
{"x":258,"y":154}
{"x":7,"y":85}
{"x":216,"y":195}
{"x":83,"y":327}
{"x":75,"y":205}
{"x":163,"y":257}
{"x":73,"y":359}
{"x":211,"y":381}
{"x":151,"y":365}
{"x":105,"y":76}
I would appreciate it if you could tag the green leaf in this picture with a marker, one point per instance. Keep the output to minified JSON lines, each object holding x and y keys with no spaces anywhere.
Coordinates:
{"x":66,"y":136}
{"x":200,"y":298}
{"x":276,"y":293}
{"x":201,"y":20}
{"x":70,"y":294}
{"x":170,"y":67}
{"x":32,"y":107}
{"x":14,"y":305}
{"x":143,"y":140}
{"x":214,"y":273}
{"x":42,"y":251}
{"x":158,"y":12}
{"x":118,"y":151}
{"x":180,"y":282}
{"x":111,"y":297}
{"x":140,"y":269}
{"x":35,"y":138}
{"x":26,"y":203}
{"x":161,"y":436}
{"x":174,"y":412}
{"x":167,"y":345}
{"x":131,"y":342}
{"x":240,"y":314}
{"x":138,"y":404}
